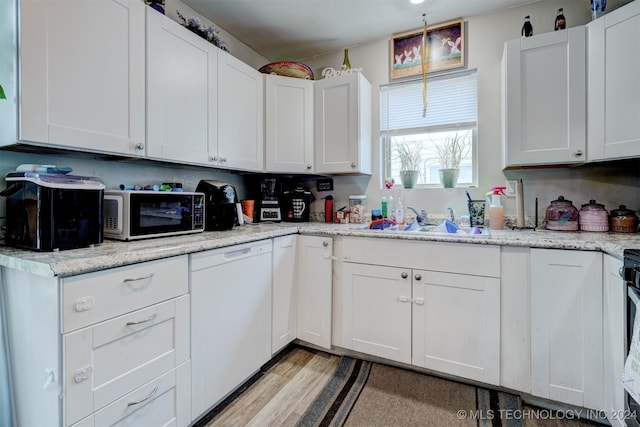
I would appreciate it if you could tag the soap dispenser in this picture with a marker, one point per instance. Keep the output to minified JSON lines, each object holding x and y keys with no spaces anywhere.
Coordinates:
{"x":496,"y":211}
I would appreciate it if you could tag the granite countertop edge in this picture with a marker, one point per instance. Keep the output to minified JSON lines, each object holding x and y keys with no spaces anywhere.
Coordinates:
{"x":112,"y":253}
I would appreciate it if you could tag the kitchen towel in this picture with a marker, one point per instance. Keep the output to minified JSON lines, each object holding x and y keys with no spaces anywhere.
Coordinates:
{"x":631,"y":373}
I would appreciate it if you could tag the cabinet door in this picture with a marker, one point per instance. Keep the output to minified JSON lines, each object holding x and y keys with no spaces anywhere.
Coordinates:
{"x":161,"y":402}
{"x":83,"y":74}
{"x":566,"y":326}
{"x":376,"y":315}
{"x":615,"y":299}
{"x":230,"y":319}
{"x":108,"y":360}
{"x":545,"y":98}
{"x":613,"y":84}
{"x":181,"y":92}
{"x":285,"y":292}
{"x":314,"y":290}
{"x":288,"y":124}
{"x":456,"y":324}
{"x":343,"y":120}
{"x":515,"y":317}
{"x":240,"y":115}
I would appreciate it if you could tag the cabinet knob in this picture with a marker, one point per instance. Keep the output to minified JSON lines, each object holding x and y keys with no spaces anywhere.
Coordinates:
{"x":213,"y":158}
{"x":223,"y":160}
{"x":309,"y":167}
{"x":418,"y":277}
{"x":139,"y":146}
{"x":578,"y":153}
{"x":404,"y":275}
{"x":325,"y":244}
{"x":353,"y":165}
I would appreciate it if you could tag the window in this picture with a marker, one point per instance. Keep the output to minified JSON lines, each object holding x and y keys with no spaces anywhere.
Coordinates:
{"x":452,"y":113}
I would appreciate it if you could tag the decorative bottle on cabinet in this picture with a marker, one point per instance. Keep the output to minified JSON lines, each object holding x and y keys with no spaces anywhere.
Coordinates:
{"x":561,"y":22}
{"x":345,"y":62}
{"x":527,"y":28}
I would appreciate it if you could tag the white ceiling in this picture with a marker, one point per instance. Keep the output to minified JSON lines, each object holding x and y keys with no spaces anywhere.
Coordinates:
{"x":297,"y":29}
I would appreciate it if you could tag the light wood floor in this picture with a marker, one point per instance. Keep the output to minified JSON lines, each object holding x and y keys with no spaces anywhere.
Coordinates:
{"x":283,"y":393}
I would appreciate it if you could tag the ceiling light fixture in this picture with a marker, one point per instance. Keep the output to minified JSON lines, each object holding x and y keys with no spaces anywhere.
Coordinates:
{"x":416,"y":1}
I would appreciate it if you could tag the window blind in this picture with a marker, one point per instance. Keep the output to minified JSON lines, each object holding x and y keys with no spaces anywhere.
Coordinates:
{"x":451,"y":100}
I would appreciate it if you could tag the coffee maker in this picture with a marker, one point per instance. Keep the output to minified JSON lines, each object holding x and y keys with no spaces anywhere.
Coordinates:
{"x":269,"y":203}
{"x":297,"y":204}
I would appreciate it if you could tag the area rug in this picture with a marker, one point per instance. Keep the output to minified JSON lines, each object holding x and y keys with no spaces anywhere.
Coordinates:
{"x":363,"y":393}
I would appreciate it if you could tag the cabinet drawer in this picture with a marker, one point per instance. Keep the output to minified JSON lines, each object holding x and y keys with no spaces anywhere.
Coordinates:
{"x":162,"y":402}
{"x":463,"y":258}
{"x":105,"y":361}
{"x":95,"y":297}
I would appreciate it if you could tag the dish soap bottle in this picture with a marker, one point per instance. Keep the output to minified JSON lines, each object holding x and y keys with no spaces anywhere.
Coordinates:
{"x":384,"y":207}
{"x":399,"y":211}
{"x":496,"y":211}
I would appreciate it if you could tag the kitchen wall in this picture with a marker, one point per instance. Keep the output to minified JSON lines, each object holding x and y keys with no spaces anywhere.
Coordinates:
{"x":609,"y":183}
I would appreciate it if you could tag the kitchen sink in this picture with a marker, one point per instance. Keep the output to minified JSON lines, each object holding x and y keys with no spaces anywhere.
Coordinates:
{"x":433,"y":230}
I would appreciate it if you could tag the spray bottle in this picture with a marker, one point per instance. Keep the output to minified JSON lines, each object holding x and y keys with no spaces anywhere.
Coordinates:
{"x":496,"y":211}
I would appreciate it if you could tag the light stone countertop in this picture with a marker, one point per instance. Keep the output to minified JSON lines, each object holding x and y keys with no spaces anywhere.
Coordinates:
{"x":113,"y":253}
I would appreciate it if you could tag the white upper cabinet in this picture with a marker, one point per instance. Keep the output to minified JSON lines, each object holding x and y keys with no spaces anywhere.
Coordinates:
{"x":83,"y":75}
{"x":343,"y":120}
{"x":288,"y":124}
{"x":613,"y":86}
{"x":240,"y":115}
{"x":181,"y":92}
{"x":544,"y":99}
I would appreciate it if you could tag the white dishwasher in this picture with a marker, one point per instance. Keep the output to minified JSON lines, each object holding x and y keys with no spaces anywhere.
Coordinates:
{"x":230,"y":319}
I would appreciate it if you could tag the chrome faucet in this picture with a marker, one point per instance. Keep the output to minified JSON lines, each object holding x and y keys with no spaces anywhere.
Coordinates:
{"x":453,"y":215}
{"x":421,"y":217}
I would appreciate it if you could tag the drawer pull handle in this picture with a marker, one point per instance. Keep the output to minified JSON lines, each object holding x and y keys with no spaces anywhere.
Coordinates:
{"x":137,"y":279}
{"x":139,"y":322}
{"x":144,"y":399}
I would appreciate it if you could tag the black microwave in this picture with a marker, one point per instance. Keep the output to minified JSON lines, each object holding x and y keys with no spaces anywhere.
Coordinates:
{"x":139,"y":214}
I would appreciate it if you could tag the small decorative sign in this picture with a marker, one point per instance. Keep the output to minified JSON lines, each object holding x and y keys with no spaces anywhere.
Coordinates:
{"x":325,"y":184}
{"x":329,"y":72}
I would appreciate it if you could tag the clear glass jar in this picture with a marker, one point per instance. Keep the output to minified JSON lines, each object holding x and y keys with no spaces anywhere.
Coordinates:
{"x":358,"y":209}
{"x":562,"y":215}
{"x":623,"y":220}
{"x":593,"y":217}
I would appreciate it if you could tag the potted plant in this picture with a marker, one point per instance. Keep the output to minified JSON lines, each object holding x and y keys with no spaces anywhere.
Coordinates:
{"x":410,"y":156}
{"x":450,"y":153}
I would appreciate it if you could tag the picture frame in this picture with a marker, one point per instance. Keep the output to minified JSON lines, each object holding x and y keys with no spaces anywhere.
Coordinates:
{"x":445,"y":49}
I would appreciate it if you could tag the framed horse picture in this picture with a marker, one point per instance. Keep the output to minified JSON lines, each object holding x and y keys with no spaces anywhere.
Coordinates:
{"x":444,"y":49}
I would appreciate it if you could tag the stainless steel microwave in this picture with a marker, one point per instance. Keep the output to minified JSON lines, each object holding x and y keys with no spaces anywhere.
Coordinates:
{"x":132,"y":215}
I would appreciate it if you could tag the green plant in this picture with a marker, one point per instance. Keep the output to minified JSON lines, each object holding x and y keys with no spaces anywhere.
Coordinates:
{"x":2,"y":95}
{"x":453,"y":150}
{"x":209,"y":33}
{"x":409,"y":155}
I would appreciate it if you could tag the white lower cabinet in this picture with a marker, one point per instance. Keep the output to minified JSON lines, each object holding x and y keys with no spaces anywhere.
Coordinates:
{"x":615,"y":299}
{"x":415,"y":302}
{"x":112,"y":345}
{"x":456,"y":324}
{"x":566,"y":326}
{"x":315,"y":258}
{"x":285,"y":292}
{"x":377,"y":310}
{"x":515,"y":316}
{"x":230,"y":319}
{"x":161,"y":402}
